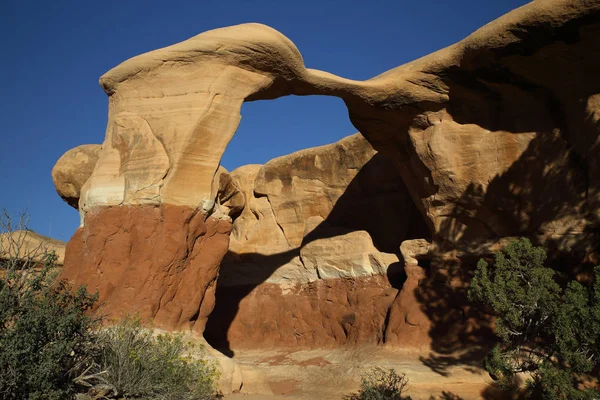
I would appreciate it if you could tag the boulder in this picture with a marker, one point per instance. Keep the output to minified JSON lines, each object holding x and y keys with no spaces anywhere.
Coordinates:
{"x":72,"y":170}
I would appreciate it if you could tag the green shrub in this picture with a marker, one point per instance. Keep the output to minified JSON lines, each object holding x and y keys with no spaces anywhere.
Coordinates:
{"x":555,"y":383}
{"x":379,"y":384}
{"x":139,"y":364}
{"x":44,"y":332}
{"x":550,"y":333}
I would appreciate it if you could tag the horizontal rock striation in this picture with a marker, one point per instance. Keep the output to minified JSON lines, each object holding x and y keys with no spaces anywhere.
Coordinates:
{"x":461,"y":124}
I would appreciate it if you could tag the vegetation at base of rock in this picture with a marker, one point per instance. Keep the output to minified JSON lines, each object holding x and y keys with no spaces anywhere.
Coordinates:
{"x":381,"y":384}
{"x":546,"y":331}
{"x":51,"y":348}
{"x":138,"y":364}
{"x":45,"y":335}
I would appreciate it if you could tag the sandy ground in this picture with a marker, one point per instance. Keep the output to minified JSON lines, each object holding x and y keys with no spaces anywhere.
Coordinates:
{"x":330,"y":374}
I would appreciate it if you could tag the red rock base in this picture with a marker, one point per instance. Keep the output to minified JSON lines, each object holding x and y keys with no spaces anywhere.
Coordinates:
{"x":158,"y":262}
{"x":432,"y":311}
{"x":318,"y":314}
{"x":418,"y":308}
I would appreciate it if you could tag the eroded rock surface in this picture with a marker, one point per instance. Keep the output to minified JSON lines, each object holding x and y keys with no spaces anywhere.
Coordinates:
{"x":343,"y":196}
{"x":462,"y":124}
{"x":73,"y":169}
{"x":493,"y":137}
{"x":510,"y":147}
{"x":325,"y":312}
{"x":312,"y":258}
{"x":160,"y":263}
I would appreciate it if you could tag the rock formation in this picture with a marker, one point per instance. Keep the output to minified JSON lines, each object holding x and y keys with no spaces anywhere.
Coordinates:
{"x":313,"y":251}
{"x":72,"y":171}
{"x":159,"y":261}
{"x":493,"y":137}
{"x":31,"y":247}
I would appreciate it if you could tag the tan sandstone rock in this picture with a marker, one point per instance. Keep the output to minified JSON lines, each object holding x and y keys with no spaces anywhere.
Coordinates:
{"x":30,"y":246}
{"x":72,"y":171}
{"x":230,"y":200}
{"x":303,"y":206}
{"x":461,"y":123}
{"x":493,"y":137}
{"x":411,"y":250}
{"x":330,"y":283}
{"x":342,"y":253}
{"x":346,"y":184}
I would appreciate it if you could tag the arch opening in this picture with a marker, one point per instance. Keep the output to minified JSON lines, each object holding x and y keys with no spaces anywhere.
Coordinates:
{"x":274,"y":128}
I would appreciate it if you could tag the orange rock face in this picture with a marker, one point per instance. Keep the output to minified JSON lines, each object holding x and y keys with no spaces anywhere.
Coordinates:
{"x":159,"y":261}
{"x":316,"y":314}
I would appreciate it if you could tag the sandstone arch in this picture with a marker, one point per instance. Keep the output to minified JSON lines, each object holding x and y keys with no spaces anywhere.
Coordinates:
{"x":460,"y":125}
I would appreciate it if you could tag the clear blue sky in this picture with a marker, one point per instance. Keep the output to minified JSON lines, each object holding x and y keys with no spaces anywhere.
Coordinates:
{"x":53,"y":52}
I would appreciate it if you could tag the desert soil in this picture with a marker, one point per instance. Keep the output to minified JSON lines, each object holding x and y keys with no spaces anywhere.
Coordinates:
{"x":330,"y":374}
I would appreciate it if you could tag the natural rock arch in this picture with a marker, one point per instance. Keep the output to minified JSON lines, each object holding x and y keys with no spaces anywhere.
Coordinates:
{"x":460,"y":125}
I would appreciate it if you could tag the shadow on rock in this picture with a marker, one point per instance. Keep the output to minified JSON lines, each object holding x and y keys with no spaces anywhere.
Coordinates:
{"x":392,"y":218}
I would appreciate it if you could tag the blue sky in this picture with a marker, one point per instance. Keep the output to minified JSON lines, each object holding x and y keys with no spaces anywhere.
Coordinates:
{"x":53,"y":53}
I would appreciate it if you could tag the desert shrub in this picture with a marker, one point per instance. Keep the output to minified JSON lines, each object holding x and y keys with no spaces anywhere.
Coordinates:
{"x":380,"y":384}
{"x":44,"y":332}
{"x":139,"y":364}
{"x":551,"y":333}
